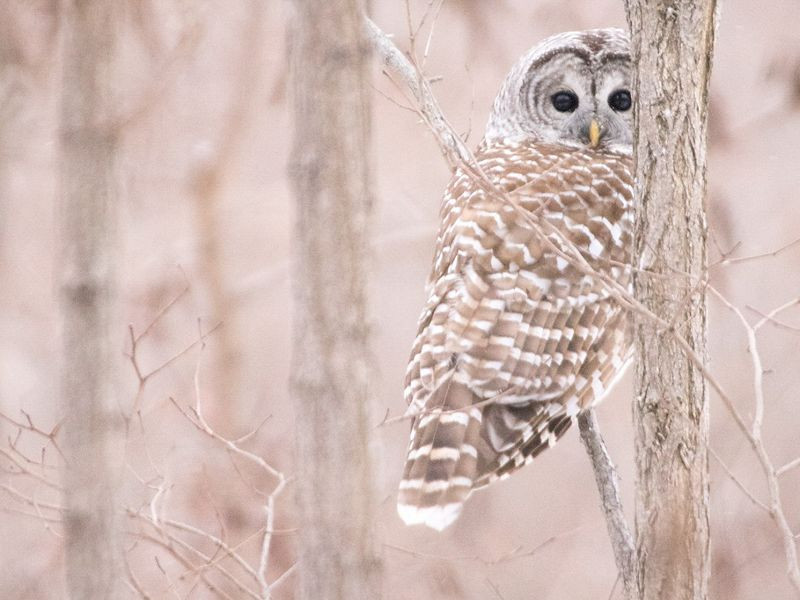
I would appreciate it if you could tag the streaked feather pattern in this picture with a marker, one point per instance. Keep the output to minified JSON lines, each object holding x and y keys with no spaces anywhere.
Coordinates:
{"x":514,"y":341}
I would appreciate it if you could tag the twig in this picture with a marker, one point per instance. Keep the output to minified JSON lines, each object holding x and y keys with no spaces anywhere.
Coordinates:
{"x":614,"y":587}
{"x":512,"y":555}
{"x":29,"y":426}
{"x":135,"y":340}
{"x":776,"y":510}
{"x":133,"y":581}
{"x":774,"y":321}
{"x":741,"y":259}
{"x":738,"y":483}
{"x":229,"y":551}
{"x":198,"y":420}
{"x":282,"y":577}
{"x":429,"y":109}
{"x":161,"y":312}
{"x":169,"y":540}
{"x":605,"y":475}
{"x":20,"y":497}
{"x":266,"y":541}
{"x":788,"y":467}
{"x":493,"y":586}
{"x":23,"y":470}
{"x":32,"y":515}
{"x":770,"y":316}
{"x":195,"y":568}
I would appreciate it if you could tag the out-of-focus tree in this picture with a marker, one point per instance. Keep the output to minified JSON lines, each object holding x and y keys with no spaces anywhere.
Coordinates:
{"x":23,"y":58}
{"x":9,"y":105}
{"x":87,"y":273}
{"x":208,"y":185}
{"x":672,"y":47}
{"x":331,"y":183}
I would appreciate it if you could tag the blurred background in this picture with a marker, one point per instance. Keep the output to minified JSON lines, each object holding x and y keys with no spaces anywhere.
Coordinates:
{"x":206,"y":221}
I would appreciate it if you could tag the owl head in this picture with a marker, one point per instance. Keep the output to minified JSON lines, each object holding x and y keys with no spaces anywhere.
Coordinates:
{"x":572,"y":89}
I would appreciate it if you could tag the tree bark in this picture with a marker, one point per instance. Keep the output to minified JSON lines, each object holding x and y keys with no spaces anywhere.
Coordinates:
{"x":331,"y":184}
{"x":672,"y":43}
{"x":87,"y":224}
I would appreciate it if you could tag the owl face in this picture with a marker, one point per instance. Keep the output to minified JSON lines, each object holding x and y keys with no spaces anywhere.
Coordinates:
{"x":572,"y":89}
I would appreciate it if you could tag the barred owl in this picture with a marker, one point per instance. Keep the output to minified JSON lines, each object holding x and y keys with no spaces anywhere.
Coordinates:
{"x":516,"y":339}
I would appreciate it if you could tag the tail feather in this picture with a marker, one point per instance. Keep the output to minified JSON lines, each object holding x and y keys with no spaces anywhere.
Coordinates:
{"x":442,"y":461}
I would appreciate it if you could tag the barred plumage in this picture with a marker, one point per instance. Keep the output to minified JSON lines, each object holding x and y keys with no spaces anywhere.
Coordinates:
{"x":514,"y":340}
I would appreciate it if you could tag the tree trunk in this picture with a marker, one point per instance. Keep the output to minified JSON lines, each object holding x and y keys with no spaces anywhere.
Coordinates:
{"x":86,"y":291}
{"x":672,"y":46}
{"x":331,"y":184}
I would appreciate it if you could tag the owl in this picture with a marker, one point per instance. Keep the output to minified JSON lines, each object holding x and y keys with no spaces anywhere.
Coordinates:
{"x":515,"y":340}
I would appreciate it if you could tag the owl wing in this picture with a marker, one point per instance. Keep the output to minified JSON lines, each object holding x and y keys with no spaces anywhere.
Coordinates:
{"x":514,"y":341}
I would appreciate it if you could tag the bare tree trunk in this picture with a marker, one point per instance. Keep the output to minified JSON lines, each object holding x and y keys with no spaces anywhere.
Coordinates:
{"x":87,"y":277}
{"x":672,"y":46}
{"x":331,"y":184}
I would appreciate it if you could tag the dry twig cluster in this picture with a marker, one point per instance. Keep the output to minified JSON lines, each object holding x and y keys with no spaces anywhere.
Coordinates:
{"x":196,"y":555}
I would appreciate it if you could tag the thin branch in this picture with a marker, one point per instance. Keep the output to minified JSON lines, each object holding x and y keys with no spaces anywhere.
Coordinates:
{"x":742,"y":259}
{"x":20,"y":497}
{"x":269,"y":511}
{"x":770,"y":316}
{"x":428,"y":109}
{"x":739,"y":484}
{"x":228,"y":551}
{"x":162,"y":312}
{"x":282,"y":577}
{"x":32,"y":515}
{"x":198,"y":420}
{"x":614,"y":587}
{"x":788,"y":467}
{"x":200,"y":569}
{"x":776,"y":509}
{"x":24,"y":470}
{"x":774,"y":321}
{"x":133,"y":581}
{"x":168,"y":542}
{"x":493,"y":586}
{"x":512,"y":555}
{"x":607,"y":484}
{"x":29,"y":426}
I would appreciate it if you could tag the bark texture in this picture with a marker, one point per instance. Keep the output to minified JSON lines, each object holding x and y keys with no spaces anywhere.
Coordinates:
{"x":331,"y":184}
{"x":672,"y":44}
{"x":86,"y":296}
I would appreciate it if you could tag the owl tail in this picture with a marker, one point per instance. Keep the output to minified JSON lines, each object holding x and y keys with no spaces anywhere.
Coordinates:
{"x":442,"y":459}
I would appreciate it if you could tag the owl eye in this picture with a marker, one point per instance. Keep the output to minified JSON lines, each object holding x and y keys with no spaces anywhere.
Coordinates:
{"x":564,"y":101}
{"x":620,"y":100}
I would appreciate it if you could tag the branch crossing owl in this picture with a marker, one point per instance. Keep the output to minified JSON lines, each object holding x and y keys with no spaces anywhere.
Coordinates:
{"x":515,"y":340}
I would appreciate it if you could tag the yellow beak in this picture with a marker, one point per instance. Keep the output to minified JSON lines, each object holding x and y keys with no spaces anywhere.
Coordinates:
{"x":594,"y":133}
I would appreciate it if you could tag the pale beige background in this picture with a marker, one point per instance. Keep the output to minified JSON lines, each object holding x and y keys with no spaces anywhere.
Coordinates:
{"x":220,"y":99}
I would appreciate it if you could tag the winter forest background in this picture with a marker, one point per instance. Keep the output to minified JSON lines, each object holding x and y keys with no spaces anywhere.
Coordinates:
{"x":206,"y":232}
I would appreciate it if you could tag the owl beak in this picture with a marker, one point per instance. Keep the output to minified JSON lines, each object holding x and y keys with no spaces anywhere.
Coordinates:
{"x":594,"y":133}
